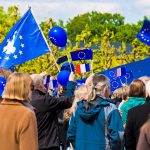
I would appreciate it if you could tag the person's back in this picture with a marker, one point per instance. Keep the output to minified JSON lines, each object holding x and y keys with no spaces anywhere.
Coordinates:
{"x":96,"y":123}
{"x":46,"y":112}
{"x":16,"y":118}
{"x":137,"y":116}
{"x":18,"y":123}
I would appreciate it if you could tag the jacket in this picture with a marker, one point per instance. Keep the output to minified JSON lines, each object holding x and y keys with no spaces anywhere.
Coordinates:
{"x":137,"y":116}
{"x":132,"y":102}
{"x":18,"y":127}
{"x":96,"y":125}
{"x":46,"y":112}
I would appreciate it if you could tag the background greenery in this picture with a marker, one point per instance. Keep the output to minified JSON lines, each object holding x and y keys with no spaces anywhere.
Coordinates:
{"x":101,"y":31}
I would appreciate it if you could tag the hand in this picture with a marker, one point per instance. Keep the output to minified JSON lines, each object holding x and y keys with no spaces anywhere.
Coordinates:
{"x":89,"y":80}
{"x":43,"y":74}
{"x":72,"y":77}
{"x":52,"y":78}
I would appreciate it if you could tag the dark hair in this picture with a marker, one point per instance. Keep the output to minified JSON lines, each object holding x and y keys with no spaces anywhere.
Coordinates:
{"x":137,"y":89}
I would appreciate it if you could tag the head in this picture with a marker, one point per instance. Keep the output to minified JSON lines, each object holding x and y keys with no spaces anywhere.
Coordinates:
{"x":137,"y":89}
{"x":121,"y":93}
{"x":18,"y":86}
{"x":38,"y":81}
{"x":145,"y":79}
{"x":84,"y":92}
{"x":101,"y":84}
{"x":148,"y":89}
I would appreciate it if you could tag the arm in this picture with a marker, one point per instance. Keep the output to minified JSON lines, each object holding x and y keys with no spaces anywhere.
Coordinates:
{"x":130,"y":141}
{"x":115,"y":129}
{"x":28,"y":138}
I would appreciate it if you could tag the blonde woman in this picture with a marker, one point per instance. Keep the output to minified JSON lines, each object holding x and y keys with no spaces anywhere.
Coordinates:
{"x":18,"y":128}
{"x":96,"y":123}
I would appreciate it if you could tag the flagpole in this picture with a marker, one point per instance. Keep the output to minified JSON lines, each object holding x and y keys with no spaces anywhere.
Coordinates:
{"x":50,"y":49}
{"x":69,"y":62}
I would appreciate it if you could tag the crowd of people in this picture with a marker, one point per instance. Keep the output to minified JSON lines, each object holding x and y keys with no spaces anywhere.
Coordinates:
{"x":88,"y":117}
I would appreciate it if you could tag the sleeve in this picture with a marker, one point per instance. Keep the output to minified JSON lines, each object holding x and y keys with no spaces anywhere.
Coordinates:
{"x":28,"y":139}
{"x":71,"y":133}
{"x":54,"y":103}
{"x":70,"y":88}
{"x":130,"y":141}
{"x":115,"y":130}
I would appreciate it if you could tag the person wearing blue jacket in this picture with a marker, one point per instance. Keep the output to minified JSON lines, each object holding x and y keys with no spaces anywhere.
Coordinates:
{"x":96,"y":123}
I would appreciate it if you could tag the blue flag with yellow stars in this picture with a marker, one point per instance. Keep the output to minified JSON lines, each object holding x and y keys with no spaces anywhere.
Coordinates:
{"x":85,"y":54}
{"x":144,"y":33}
{"x":23,"y":42}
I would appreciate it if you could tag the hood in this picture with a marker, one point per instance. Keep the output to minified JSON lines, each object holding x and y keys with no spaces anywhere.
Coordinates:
{"x":89,"y":110}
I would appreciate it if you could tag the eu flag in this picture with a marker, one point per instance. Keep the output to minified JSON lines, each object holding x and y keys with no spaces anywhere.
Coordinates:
{"x":24,"y":42}
{"x":144,"y":34}
{"x":85,"y":54}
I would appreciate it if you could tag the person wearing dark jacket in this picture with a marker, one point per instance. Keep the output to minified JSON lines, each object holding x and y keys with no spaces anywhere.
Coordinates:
{"x":46,"y":112}
{"x":137,"y":116}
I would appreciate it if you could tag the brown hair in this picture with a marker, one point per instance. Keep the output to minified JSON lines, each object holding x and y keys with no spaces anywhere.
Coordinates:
{"x":137,"y":89}
{"x":18,"y":87}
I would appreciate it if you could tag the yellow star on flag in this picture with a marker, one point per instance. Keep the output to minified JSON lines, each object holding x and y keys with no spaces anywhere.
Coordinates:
{"x":22,"y":45}
{"x":20,"y":37}
{"x":15,"y":56}
{"x":20,"y":52}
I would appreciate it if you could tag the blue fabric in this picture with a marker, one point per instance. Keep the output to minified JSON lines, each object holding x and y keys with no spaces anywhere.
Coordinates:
{"x":134,"y":70}
{"x":23,"y":42}
{"x":87,"y":127}
{"x":70,"y":88}
{"x":144,"y":33}
{"x":85,"y":54}
{"x":62,"y":59}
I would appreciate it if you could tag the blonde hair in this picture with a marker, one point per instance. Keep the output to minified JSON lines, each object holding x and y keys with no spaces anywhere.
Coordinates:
{"x":121,"y":93}
{"x":18,"y":87}
{"x":84,"y":92}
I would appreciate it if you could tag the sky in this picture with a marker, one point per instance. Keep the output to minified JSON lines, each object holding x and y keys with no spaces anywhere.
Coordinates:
{"x":132,"y":10}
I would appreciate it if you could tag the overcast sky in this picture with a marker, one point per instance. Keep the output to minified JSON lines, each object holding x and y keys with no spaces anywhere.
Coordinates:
{"x":132,"y":10}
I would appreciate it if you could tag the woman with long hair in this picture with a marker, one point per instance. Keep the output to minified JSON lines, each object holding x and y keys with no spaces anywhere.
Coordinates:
{"x":18,"y":127}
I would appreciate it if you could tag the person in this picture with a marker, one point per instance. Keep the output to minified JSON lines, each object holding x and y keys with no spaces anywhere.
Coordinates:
{"x":120,"y":95}
{"x":81,"y":93}
{"x":18,"y":122}
{"x":136,"y":97}
{"x":144,"y":139}
{"x":96,"y":123}
{"x":46,"y":112}
{"x":136,"y":118}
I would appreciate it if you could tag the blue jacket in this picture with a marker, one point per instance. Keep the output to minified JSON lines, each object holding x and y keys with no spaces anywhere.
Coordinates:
{"x":96,"y":125}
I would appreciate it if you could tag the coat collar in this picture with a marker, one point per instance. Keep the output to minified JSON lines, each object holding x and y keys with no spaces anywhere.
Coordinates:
{"x":11,"y":102}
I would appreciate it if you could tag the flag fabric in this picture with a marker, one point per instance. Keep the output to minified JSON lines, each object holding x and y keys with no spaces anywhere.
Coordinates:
{"x":2,"y":84}
{"x":62,"y":59}
{"x":85,"y":54}
{"x":53,"y":84}
{"x":120,"y":71}
{"x":81,"y":68}
{"x":23,"y":42}
{"x":144,"y":33}
{"x":46,"y":81}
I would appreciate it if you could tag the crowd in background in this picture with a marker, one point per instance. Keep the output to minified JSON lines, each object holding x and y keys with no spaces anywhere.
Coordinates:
{"x":88,"y":117}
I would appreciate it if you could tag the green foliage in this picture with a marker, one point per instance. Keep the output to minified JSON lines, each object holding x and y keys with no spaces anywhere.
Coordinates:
{"x":91,"y":29}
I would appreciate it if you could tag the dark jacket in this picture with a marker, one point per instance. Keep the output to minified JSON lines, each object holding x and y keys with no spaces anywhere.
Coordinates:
{"x":96,"y":125}
{"x":46,"y":113}
{"x":137,"y":116}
